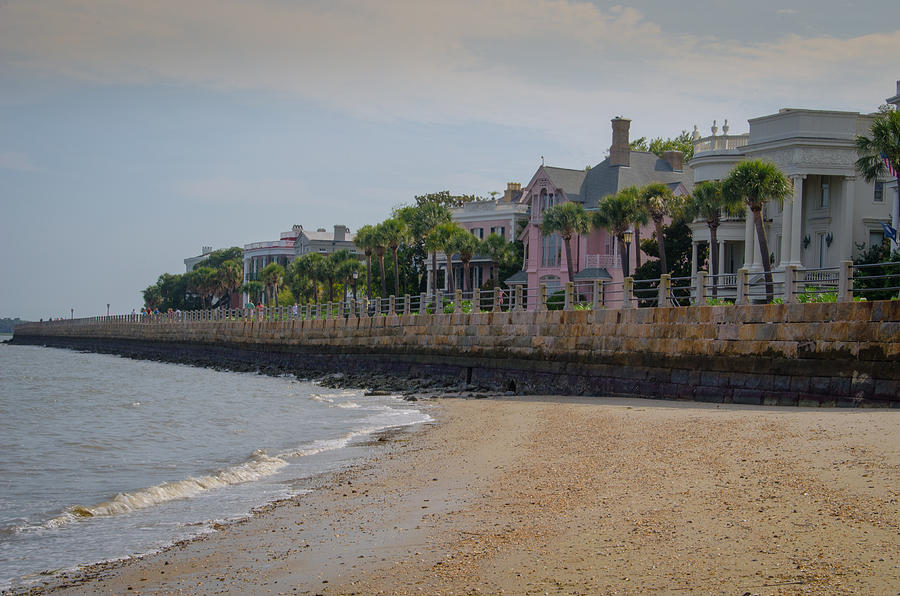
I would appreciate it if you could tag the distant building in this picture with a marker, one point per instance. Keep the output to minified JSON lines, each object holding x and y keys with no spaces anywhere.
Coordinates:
{"x":832,"y":211}
{"x":191,"y":262}
{"x":503,"y":217}
{"x":324,"y":242}
{"x":596,"y":254}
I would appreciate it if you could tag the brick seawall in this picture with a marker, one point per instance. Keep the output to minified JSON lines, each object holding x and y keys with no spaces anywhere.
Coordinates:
{"x":843,"y":354}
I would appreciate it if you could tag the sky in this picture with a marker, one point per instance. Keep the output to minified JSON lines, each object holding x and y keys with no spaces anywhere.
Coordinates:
{"x":134,"y":133}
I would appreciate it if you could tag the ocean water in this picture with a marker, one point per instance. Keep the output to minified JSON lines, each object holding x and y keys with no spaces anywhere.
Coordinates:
{"x":104,"y":457}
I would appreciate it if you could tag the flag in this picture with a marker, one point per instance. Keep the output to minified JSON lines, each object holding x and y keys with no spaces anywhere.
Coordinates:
{"x":890,"y":167}
{"x":889,"y":231}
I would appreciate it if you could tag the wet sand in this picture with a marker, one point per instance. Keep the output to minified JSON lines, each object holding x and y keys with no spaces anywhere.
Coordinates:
{"x":573,"y":496}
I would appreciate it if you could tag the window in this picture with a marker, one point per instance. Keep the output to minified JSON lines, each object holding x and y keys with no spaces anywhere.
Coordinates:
{"x":478,"y":233}
{"x":876,"y":238}
{"x":879,"y":192}
{"x":552,"y":282}
{"x":551,"y":250}
{"x":825,"y":196}
{"x":500,"y":231}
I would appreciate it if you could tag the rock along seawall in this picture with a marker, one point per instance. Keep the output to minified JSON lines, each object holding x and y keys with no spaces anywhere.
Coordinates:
{"x":842,"y":354}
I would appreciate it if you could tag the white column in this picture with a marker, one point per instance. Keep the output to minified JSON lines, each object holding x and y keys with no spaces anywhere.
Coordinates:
{"x":846,"y":230}
{"x":693,"y":259}
{"x":721,"y":257}
{"x":749,"y":235}
{"x":787,"y":210}
{"x":797,"y":221}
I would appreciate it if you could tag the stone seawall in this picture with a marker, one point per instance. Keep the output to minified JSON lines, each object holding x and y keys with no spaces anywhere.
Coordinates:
{"x":843,"y":354}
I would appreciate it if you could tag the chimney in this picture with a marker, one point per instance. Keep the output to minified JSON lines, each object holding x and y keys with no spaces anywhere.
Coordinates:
{"x":340,"y":233}
{"x":513,"y":191}
{"x":675,"y":159}
{"x":206,"y":250}
{"x":620,"y":151}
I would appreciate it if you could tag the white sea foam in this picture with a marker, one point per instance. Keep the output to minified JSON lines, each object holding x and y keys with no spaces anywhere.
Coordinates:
{"x":258,"y":466}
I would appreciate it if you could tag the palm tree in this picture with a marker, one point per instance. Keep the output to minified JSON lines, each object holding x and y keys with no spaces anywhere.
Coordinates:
{"x":393,"y":231}
{"x":202,"y":281}
{"x":708,"y":203}
{"x":659,"y":201}
{"x":441,"y":239}
{"x":334,"y":269}
{"x":380,"y":248}
{"x":496,"y":247}
{"x":365,"y":241}
{"x":566,"y":219}
{"x":884,"y":144}
{"x":310,"y":267}
{"x":420,"y":221}
{"x":229,"y":277}
{"x":755,"y":182}
{"x":253,"y":289}
{"x":466,"y":245}
{"x":272,"y":277}
{"x":615,"y":213}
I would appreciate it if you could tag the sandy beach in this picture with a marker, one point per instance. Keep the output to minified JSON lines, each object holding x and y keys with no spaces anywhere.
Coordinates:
{"x":551,"y":495}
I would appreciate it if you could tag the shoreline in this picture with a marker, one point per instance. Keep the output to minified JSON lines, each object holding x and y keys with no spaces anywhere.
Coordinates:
{"x":574,"y":495}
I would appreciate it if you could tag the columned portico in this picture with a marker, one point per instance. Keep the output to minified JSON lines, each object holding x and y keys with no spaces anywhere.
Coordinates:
{"x":796,"y":220}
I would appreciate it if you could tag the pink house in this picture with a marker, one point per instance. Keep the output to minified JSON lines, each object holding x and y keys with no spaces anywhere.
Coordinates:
{"x":596,"y":254}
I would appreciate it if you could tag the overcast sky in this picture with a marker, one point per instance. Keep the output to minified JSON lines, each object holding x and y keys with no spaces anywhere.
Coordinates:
{"x":133,"y":133}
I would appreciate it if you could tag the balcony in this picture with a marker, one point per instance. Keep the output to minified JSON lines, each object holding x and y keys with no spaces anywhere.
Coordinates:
{"x":598,"y":261}
{"x":289,"y":244}
{"x":720,"y":143}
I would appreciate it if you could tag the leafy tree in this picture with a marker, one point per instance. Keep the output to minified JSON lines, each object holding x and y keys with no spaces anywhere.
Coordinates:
{"x":616,"y":213}
{"x":709,"y":203}
{"x":217,"y":257}
{"x":286,"y":296}
{"x":567,"y":219}
{"x":756,"y":182}
{"x":659,"y":202}
{"x":272,"y":276}
{"x":658,"y":146}
{"x":254,"y":290}
{"x":305,"y":271}
{"x":883,"y":144}
{"x":202,"y":282}
{"x":867,"y":281}
{"x":444,"y":199}
{"x":365,"y":241}
{"x":677,"y":239}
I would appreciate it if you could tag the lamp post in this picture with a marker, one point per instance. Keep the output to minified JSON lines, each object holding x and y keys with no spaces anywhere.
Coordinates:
{"x":627,"y":238}
{"x":73,"y":313}
{"x":107,"y":309}
{"x":355,"y":277}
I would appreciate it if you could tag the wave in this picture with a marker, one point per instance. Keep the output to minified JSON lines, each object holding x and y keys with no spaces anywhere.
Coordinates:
{"x":258,"y":466}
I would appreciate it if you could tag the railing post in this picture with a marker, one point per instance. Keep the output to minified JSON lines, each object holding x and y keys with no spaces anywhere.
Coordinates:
{"x":422,"y":303}
{"x":790,"y":283}
{"x":495,"y":299}
{"x":700,"y":288}
{"x":664,"y":290}
{"x":542,"y":297}
{"x":392,"y":305}
{"x":457,"y":302}
{"x":596,"y":293}
{"x":742,"y":283}
{"x":406,"y":306}
{"x":570,"y":288}
{"x":518,"y":297}
{"x":845,"y":287}
{"x":628,"y":292}
{"x":476,"y":300}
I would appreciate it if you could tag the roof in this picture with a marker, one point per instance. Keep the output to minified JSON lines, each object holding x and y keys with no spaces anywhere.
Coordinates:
{"x":604,"y":179}
{"x":327,"y":236}
{"x":570,"y":181}
{"x":517,"y":278}
{"x":592,"y":273}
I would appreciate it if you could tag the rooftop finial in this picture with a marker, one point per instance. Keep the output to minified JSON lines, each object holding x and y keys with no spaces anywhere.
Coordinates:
{"x":725,"y":127}
{"x":696,"y":134}
{"x":715,"y":129}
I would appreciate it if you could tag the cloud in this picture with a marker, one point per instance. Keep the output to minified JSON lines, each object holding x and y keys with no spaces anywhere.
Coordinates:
{"x":19,"y":162}
{"x":561,"y":66}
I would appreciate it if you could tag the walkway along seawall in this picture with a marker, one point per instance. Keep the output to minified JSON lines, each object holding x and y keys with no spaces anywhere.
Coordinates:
{"x":843,"y":354}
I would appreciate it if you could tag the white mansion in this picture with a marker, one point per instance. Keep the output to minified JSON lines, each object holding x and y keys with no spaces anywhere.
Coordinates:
{"x":833,"y":210}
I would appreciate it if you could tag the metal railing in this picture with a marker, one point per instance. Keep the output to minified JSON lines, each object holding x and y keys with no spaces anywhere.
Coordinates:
{"x":844,"y":283}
